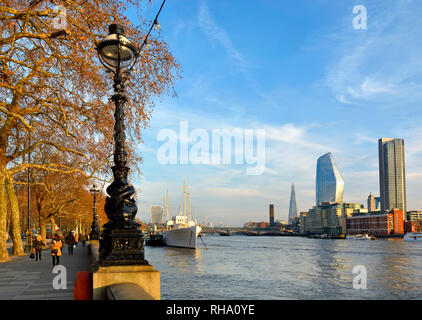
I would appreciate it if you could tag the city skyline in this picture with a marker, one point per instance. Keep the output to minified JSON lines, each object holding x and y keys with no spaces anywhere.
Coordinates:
{"x":356,"y":91}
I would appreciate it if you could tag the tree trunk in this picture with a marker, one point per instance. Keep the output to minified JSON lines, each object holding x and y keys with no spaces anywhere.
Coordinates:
{"x":53,"y":226}
{"x":14,"y":208}
{"x":3,"y":213}
{"x":43,"y":230}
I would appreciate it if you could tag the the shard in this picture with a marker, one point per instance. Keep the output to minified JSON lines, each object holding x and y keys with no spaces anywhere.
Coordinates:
{"x":329,"y":183}
{"x":293,"y":206}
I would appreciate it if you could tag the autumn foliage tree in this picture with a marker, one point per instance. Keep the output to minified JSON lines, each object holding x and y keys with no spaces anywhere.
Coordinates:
{"x":54,"y":93}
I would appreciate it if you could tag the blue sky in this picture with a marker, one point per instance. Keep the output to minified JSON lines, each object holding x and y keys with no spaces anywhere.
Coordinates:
{"x":300,"y":71}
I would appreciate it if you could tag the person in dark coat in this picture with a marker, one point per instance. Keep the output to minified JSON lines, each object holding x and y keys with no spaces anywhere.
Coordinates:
{"x":70,"y":240}
{"x":37,"y":244}
{"x":83,"y":239}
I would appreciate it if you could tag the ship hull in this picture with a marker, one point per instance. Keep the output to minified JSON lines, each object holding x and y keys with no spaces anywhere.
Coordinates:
{"x":182,"y":237}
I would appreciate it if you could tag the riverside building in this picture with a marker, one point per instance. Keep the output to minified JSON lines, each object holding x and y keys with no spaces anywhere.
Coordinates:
{"x":414,"y":216}
{"x":329,"y":218}
{"x":392,"y":174}
{"x":376,"y":223}
{"x":414,"y":221}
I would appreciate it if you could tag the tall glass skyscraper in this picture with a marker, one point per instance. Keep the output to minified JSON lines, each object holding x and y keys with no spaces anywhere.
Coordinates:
{"x":392,"y":174}
{"x":293,"y":206}
{"x":329,"y":183}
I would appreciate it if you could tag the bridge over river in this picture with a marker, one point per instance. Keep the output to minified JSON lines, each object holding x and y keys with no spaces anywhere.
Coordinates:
{"x":231,"y":231}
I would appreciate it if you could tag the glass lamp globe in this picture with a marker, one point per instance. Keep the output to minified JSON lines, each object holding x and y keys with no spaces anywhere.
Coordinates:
{"x":115,"y":51}
{"x":94,"y":190}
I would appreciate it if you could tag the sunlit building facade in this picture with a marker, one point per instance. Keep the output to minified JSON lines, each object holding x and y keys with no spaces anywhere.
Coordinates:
{"x":329,"y":218}
{"x":329,"y":182}
{"x":374,"y":203}
{"x":376,"y":223}
{"x":392,"y":174}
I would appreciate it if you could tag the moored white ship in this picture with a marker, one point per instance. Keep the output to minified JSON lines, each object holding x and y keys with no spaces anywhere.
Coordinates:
{"x":181,"y":231}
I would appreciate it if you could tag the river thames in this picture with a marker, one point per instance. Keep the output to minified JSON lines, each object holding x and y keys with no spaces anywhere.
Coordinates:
{"x":244,"y":267}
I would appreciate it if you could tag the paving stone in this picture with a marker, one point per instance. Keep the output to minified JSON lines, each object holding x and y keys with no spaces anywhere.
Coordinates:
{"x":29,"y":297}
{"x":22,"y":278}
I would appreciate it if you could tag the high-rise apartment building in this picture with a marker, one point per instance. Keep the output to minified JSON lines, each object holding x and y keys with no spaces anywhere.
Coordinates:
{"x":329,"y":183}
{"x":392,"y":174}
{"x":293,"y":206}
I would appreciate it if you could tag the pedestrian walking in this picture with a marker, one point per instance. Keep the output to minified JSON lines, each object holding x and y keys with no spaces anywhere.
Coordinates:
{"x":76,"y":239}
{"x":37,"y":246}
{"x":70,"y":241}
{"x":83,"y":239}
{"x":55,"y":246}
{"x":62,"y":240}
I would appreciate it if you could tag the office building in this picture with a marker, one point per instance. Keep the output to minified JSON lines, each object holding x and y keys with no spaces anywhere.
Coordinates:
{"x":293,"y":206}
{"x":329,"y":183}
{"x":371,"y":202}
{"x":157,"y":214}
{"x":377,"y":203}
{"x":392,"y":174}
{"x":414,"y":215}
{"x":329,"y":218}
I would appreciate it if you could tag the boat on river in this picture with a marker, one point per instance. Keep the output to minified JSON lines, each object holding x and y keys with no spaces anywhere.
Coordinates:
{"x":360,"y":237}
{"x":181,"y":230}
{"x":413,"y":236}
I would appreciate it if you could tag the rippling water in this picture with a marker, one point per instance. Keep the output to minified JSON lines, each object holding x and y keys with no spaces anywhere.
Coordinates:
{"x":242,"y":267}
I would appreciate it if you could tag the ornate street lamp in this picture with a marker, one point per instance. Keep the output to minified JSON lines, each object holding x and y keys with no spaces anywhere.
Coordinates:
{"x":121,"y":242}
{"x":95,"y":229}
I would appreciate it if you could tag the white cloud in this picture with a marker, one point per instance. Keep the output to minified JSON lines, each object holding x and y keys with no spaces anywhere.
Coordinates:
{"x":215,"y":33}
{"x":380,"y":63}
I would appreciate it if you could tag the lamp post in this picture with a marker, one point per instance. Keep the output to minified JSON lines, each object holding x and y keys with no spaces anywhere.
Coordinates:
{"x":28,"y":221}
{"x":95,"y":230}
{"x":121,"y":242}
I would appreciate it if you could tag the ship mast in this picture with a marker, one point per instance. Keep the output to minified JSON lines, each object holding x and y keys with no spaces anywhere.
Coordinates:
{"x":189,"y":208}
{"x":184,"y":198}
{"x":166,"y":201}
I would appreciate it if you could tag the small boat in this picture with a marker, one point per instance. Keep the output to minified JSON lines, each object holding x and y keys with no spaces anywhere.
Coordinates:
{"x":338,"y":236}
{"x":413,"y":236}
{"x":359,"y":237}
{"x":154,"y":239}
